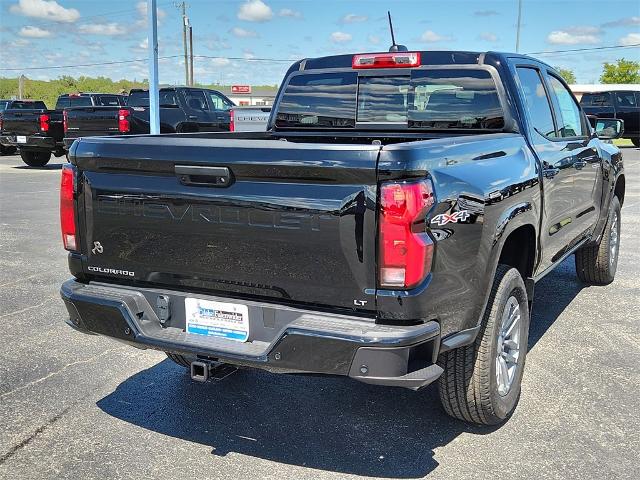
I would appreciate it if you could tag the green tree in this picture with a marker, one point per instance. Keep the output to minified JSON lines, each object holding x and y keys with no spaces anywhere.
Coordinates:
{"x":623,"y":71}
{"x":567,"y":74}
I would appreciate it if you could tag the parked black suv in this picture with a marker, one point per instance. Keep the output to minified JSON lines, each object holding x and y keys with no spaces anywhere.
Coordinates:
{"x":621,"y":104}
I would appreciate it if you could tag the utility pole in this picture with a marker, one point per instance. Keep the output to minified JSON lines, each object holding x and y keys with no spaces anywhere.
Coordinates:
{"x":519,"y":24}
{"x":154,"y":91}
{"x":185,"y":24}
{"x":21,"y":87}
{"x":191,"y":55}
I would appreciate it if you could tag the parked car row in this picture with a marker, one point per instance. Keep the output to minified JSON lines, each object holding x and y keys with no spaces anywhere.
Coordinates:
{"x":40,"y":133}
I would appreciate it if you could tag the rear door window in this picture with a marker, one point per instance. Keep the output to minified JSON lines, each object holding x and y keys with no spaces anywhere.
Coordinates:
{"x":196,"y":99}
{"x":536,"y":101}
{"x":626,"y":99}
{"x":568,"y":116}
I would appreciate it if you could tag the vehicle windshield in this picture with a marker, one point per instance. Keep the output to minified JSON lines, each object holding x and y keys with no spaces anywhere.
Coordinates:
{"x":425,"y":99}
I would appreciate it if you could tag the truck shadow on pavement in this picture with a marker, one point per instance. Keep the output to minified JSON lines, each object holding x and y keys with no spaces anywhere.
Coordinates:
{"x":325,"y":423}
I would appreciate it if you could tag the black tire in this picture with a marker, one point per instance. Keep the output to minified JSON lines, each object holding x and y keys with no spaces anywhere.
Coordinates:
{"x":468,"y":387}
{"x":7,"y":150}
{"x":595,"y":264}
{"x":179,"y":359}
{"x":636,"y":142}
{"x":35,"y":158}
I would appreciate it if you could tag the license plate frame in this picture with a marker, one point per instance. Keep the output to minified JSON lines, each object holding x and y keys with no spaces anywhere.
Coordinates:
{"x":21,"y":139}
{"x":211,"y":318}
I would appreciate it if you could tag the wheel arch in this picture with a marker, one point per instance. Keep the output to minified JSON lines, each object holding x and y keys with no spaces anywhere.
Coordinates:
{"x":619,"y":188}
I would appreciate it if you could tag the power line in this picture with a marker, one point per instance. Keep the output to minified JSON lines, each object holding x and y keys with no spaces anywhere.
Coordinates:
{"x":578,"y":50}
{"x":122,"y":62}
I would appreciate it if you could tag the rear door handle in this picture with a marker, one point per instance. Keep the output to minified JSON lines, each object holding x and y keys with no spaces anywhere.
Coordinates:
{"x":550,"y":172}
{"x":204,"y":176}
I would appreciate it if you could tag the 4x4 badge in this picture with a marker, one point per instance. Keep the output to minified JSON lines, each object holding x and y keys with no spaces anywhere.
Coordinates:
{"x":97,"y":248}
{"x":455,"y":217}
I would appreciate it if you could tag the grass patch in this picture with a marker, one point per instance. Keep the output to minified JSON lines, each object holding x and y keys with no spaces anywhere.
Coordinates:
{"x":622,"y":142}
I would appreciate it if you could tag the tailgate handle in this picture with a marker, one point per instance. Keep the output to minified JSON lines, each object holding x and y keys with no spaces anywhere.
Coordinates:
{"x":204,"y":176}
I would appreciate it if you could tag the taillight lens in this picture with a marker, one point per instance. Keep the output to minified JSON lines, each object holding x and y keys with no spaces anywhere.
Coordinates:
{"x":44,"y":122}
{"x":67,"y":217}
{"x":386,"y":60}
{"x":65,"y":120}
{"x":406,"y":249}
{"x":123,"y":120}
{"x":232,"y":121}
{"x":1,"y":122}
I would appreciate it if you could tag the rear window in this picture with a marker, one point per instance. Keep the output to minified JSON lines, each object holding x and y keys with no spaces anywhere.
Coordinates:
{"x":141,"y":99}
{"x":80,"y":102}
{"x":596,"y":100}
{"x":432,"y":99}
{"x":17,"y":105}
{"x":108,"y":100}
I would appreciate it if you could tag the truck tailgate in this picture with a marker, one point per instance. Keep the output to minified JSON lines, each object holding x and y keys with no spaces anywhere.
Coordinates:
{"x":90,"y":121}
{"x":19,"y":122}
{"x":247,"y":217}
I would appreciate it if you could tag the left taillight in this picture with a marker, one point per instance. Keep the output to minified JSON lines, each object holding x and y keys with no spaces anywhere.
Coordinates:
{"x":123,"y":120}
{"x":405,"y":248}
{"x":67,"y":215}
{"x":44,"y":122}
{"x":232,"y":121}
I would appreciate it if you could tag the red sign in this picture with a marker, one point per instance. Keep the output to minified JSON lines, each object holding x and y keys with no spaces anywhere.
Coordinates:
{"x":240,"y":88}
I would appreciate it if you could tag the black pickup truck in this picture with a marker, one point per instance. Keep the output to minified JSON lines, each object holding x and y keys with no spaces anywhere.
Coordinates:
{"x":389,"y":226}
{"x":39,"y":133}
{"x":21,"y":105}
{"x":182,"y":109}
{"x":621,"y":104}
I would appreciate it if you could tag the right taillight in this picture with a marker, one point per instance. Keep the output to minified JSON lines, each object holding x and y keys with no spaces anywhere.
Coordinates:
{"x":405,"y":249}
{"x":67,"y":216}
{"x":123,"y":120}
{"x":232,"y":121}
{"x":65,"y":121}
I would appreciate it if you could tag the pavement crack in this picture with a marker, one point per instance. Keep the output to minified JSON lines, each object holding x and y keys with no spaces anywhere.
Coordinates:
{"x":72,"y":364}
{"x":20,"y":445}
{"x":28,"y":308}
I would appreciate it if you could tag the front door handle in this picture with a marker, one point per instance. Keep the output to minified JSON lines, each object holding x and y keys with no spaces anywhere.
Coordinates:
{"x":550,"y":172}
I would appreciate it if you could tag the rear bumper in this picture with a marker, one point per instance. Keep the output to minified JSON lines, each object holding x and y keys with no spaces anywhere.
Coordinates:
{"x":33,"y":142}
{"x":282,"y":337}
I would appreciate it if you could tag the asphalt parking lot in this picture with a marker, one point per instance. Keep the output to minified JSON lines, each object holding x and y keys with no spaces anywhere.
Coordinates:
{"x":75,"y":406}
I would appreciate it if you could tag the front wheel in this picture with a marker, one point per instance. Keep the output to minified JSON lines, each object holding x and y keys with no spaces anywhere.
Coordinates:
{"x":35,"y":158}
{"x":481,"y":382}
{"x":597,"y":264}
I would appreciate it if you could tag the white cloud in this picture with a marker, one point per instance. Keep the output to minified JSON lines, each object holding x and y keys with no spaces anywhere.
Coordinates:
{"x":353,"y":18}
{"x":630,"y":39}
{"x":144,"y":44}
{"x":49,"y":10}
{"x":488,"y":37}
{"x":430,"y":36}
{"x":287,"y":12}
{"x":220,"y":62}
{"x":248,"y":54}
{"x":255,"y":11}
{"x":623,"y":22}
{"x":375,"y":39}
{"x":242,"y":33}
{"x":34,"y":32}
{"x":106,"y":29}
{"x":572,"y":36}
{"x":340,"y":37}
{"x":142,"y":11}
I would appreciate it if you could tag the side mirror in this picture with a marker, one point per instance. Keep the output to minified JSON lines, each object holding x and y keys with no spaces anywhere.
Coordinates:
{"x":609,"y":128}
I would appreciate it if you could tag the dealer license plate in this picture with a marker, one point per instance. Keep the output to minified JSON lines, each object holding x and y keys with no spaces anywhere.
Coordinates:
{"x":217,"y":319}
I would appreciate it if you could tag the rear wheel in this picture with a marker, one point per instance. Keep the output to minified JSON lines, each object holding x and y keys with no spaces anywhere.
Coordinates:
{"x":7,"y":150}
{"x":597,"y":264}
{"x":481,"y":382}
{"x":35,"y":158}
{"x":636,"y":141}
{"x":180,"y":359}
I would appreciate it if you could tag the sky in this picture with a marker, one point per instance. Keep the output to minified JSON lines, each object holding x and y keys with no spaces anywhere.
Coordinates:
{"x":254,"y":41}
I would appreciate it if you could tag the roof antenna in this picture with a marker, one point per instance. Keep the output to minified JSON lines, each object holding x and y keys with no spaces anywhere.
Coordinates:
{"x":394,"y":47}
